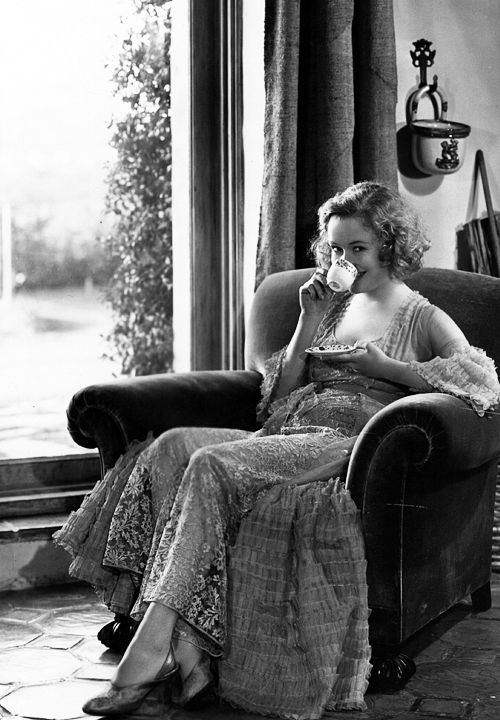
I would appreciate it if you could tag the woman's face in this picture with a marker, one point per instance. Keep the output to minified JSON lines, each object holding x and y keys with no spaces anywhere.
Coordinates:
{"x":361,"y":248}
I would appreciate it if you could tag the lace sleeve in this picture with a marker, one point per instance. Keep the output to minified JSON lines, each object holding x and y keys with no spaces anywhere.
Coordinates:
{"x":270,"y":380}
{"x":468,"y":374}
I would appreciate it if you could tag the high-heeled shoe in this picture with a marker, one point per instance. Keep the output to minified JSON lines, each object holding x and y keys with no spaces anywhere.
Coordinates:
{"x":198,"y":685}
{"x":122,"y":700}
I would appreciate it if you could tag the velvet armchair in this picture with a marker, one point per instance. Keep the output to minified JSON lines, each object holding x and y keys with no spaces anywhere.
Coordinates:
{"x":422,"y":473}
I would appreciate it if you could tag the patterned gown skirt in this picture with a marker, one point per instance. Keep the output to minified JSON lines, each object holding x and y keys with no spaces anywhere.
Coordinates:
{"x":268,"y":578}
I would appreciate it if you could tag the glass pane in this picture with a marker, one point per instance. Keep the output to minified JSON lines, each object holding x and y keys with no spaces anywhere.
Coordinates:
{"x":56,"y":60}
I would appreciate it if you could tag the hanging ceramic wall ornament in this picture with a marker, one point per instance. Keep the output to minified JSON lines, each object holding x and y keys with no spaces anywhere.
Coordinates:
{"x":437,"y":145}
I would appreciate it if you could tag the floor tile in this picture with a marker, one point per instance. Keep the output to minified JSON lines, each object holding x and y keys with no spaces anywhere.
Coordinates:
{"x":441,"y":650}
{"x":462,"y":680}
{"x":57,"y":701}
{"x":29,"y":665}
{"x":4,"y":689}
{"x":220,"y":711}
{"x":92,"y":650}
{"x":473,"y":633}
{"x":96,"y":671}
{"x":24,"y":614}
{"x":443,"y":707}
{"x":488,"y":709}
{"x":58,"y":642}
{"x":473,"y":655}
{"x":398,"y":702}
{"x":14,"y":634}
{"x":86,"y":620}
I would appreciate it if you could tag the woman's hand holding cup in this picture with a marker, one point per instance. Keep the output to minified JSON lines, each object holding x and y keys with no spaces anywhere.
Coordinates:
{"x":315,"y":294}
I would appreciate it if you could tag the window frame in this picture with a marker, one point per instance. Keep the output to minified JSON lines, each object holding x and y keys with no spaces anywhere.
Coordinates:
{"x":208,"y":205}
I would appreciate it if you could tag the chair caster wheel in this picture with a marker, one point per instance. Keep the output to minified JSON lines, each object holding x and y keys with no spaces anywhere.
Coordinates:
{"x":390,"y":675}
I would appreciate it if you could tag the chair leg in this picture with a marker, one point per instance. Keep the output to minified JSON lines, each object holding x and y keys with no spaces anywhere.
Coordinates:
{"x":481,"y":598}
{"x":390,"y":674}
{"x":117,"y":634}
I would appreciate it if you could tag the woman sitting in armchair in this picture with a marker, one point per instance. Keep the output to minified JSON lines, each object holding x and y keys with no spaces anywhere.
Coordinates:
{"x":157,"y":535}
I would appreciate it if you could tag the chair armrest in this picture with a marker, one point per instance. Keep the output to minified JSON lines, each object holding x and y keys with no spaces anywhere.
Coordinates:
{"x":428,"y":429}
{"x":111,"y":415}
{"x":423,"y":474}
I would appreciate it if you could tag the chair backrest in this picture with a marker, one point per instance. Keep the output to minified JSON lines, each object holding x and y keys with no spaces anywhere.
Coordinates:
{"x":472,"y":300}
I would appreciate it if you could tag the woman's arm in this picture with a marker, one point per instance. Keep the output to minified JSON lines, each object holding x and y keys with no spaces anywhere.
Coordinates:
{"x":314,"y":298}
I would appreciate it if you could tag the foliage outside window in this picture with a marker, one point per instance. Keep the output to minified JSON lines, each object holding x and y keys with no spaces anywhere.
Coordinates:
{"x":139,"y":197}
{"x":40,"y":261}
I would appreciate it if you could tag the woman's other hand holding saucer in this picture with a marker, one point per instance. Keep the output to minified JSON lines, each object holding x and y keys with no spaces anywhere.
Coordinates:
{"x":367,"y":359}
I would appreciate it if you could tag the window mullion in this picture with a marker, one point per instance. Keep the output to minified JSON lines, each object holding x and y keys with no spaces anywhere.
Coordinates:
{"x":216,"y":231}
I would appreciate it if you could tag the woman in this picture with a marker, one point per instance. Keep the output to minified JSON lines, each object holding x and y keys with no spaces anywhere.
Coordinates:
{"x":154,"y":537}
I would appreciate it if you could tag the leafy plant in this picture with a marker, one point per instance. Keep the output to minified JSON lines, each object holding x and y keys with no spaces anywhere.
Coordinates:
{"x":40,"y":260}
{"x":139,"y":196}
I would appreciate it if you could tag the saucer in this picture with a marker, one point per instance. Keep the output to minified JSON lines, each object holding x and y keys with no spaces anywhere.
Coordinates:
{"x":328,"y":351}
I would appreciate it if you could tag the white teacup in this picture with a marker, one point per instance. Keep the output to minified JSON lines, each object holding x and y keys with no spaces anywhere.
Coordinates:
{"x":341,"y":275}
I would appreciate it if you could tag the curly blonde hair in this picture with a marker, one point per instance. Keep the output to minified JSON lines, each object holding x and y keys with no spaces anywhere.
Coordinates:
{"x":398,"y":229}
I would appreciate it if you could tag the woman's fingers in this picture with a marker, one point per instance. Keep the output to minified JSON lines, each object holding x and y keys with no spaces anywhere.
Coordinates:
{"x":316,"y":287}
{"x":315,"y":290}
{"x":320,"y":273}
{"x":347,"y":357}
{"x":315,"y":295}
{"x":360,"y":347}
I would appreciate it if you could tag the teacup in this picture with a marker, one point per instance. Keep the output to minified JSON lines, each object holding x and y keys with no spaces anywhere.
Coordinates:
{"x":341,"y":275}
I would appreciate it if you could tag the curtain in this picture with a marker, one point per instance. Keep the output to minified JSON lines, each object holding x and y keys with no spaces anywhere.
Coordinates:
{"x":330,"y":84}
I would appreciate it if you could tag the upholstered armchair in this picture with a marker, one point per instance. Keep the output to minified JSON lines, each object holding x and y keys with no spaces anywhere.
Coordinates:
{"x":422,"y":473}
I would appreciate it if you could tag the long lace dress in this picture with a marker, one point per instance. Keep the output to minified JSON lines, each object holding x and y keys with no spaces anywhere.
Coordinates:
{"x":268,"y":578}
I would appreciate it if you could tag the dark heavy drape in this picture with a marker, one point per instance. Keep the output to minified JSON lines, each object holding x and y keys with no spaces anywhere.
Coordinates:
{"x":330,"y":74}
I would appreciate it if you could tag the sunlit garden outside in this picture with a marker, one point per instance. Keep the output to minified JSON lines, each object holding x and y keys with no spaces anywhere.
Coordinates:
{"x":58,"y":81}
{"x":52,"y":344}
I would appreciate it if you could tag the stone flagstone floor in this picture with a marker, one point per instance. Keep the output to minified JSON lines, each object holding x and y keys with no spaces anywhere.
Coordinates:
{"x":51,"y":661}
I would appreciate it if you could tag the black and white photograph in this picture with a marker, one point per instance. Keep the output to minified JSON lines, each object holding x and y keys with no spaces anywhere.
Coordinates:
{"x":249,"y":359}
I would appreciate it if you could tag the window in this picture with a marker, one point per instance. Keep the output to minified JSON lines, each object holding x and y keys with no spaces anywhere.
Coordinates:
{"x":54,"y":147}
{"x":210,"y":213}
{"x":56,"y":98}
